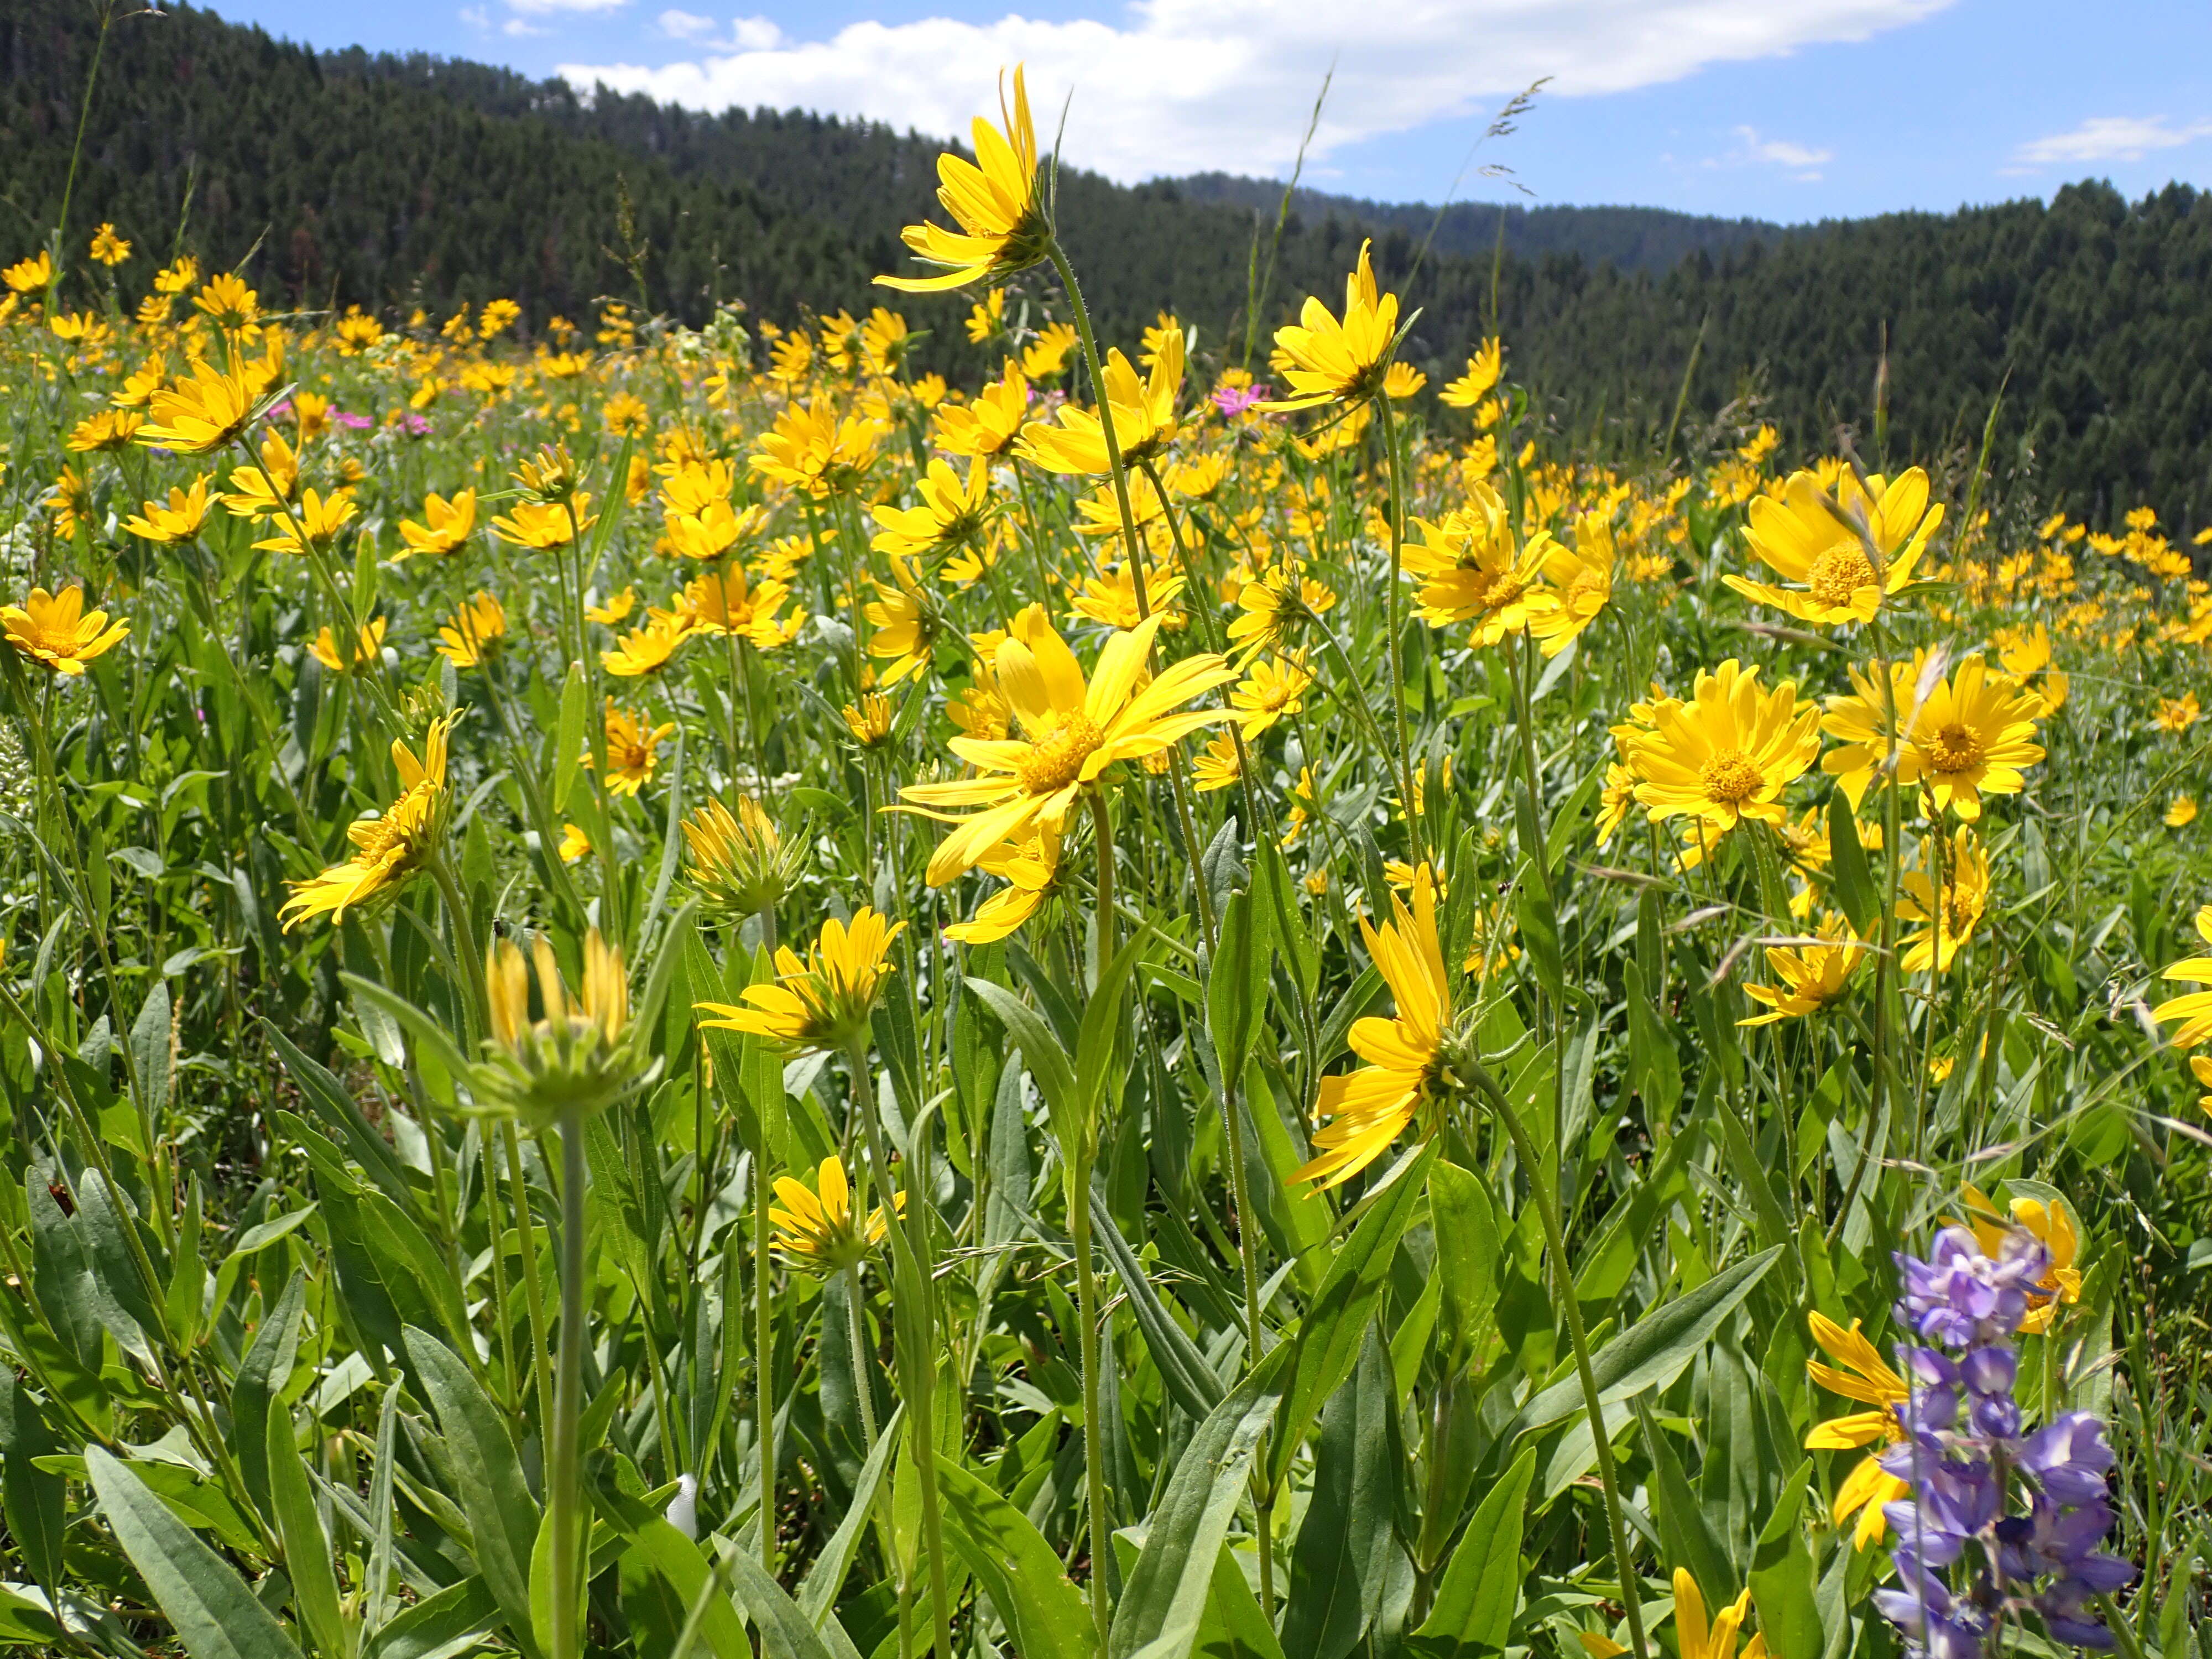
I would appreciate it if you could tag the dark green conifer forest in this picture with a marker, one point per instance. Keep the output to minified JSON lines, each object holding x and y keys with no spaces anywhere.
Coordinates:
{"x":393,"y":182}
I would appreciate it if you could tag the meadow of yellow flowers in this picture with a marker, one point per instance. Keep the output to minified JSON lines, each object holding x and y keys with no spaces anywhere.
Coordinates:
{"x":680,"y":991}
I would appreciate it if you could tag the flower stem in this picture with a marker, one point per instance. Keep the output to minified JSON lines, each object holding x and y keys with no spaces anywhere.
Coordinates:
{"x":1391,"y":602}
{"x":856,"y":1333}
{"x":1547,"y":1210}
{"x":563,"y":1453}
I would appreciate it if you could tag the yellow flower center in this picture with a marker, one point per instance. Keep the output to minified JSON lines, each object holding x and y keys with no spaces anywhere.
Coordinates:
{"x":1588,"y":587}
{"x":1955,"y":749}
{"x":1503,"y":591}
{"x":1838,"y":573}
{"x":1055,"y":760}
{"x":1730,"y":776}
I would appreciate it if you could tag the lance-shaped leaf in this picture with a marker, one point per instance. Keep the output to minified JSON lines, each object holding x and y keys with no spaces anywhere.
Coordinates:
{"x":1473,"y":1614}
{"x":1040,"y":1609}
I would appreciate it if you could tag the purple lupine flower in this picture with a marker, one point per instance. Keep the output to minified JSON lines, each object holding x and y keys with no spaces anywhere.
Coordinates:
{"x":1963,"y":1561}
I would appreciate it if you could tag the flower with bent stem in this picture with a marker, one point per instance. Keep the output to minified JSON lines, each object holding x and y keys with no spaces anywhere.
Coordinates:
{"x":821,"y":1004}
{"x":390,"y":850}
{"x":995,"y":201}
{"x":1071,"y":730}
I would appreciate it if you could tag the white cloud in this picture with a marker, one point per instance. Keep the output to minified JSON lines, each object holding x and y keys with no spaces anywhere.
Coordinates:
{"x":476,"y":18}
{"x":2106,"y":138}
{"x":746,"y":34}
{"x":1184,"y":85}
{"x":542,"y":7}
{"x":1802,"y":162}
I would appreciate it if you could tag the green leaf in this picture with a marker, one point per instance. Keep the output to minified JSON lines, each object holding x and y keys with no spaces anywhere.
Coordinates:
{"x":1237,"y":983}
{"x":1688,"y":1535}
{"x":1335,"y":1326}
{"x":1468,"y":1251}
{"x":215,"y":1615}
{"x":1472,"y":1613}
{"x":1783,"y":1580}
{"x":785,"y":1632}
{"x":262,"y":1375}
{"x":149,"y":1050}
{"x":439,"y":1623}
{"x":1048,"y":1062}
{"x":1187,"y":1379}
{"x":307,"y":1550}
{"x":569,"y":737}
{"x":1040,"y":1609}
{"x":1850,"y":879}
{"x":1104,"y":1030}
{"x":501,"y":1514}
{"x":1341,"y":1565}
{"x":817,"y":1591}
{"x":1165,"y":1599}
{"x":1655,"y":1350}
{"x":34,"y":1501}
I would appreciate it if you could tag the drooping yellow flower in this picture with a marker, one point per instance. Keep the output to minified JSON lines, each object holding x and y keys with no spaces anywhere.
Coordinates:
{"x":1328,"y":360}
{"x":368,"y":646}
{"x":1072,"y":730}
{"x":448,"y":524}
{"x":264,"y":491}
{"x":1813,"y":977}
{"x":2178,"y":714}
{"x":1273,"y":609}
{"x":1143,"y":413}
{"x":1470,"y":570}
{"x":813,"y":449}
{"x":474,"y":634}
{"x":952,"y":515}
{"x":822,"y":1003}
{"x":389,"y":850}
{"x":907,"y":620}
{"x":818,"y":1228}
{"x":1219,"y":764}
{"x":1947,"y":926}
{"x":993,"y":199}
{"x":196,"y":415}
{"x":1368,"y":1109}
{"x":713,"y":529}
{"x":2025,"y":655}
{"x":1615,"y":796}
{"x":649,"y":649}
{"x":1581,"y":581}
{"x":1030,"y":868}
{"x":613,"y":609}
{"x":728,"y":601}
{"x":543,"y":526}
{"x":1275,"y":687}
{"x":315,"y":523}
{"x":1961,"y":737}
{"x":56,"y":630}
{"x":104,"y":430}
{"x":1484,"y":369}
{"x":2192,"y":1008}
{"x":1043,"y":358}
{"x":1819,"y":542}
{"x":1727,"y":754}
{"x":988,"y":425}
{"x":179,"y":519}
{"x":632,"y":747}
{"x":1860,"y":1373}
{"x":30,"y":276}
{"x":2053,"y":1228}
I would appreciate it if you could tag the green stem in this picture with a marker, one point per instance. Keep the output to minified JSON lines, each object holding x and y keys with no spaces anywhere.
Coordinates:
{"x":1547,"y":1210}
{"x":562,"y":1454}
{"x":1391,"y":603}
{"x":856,"y":1333}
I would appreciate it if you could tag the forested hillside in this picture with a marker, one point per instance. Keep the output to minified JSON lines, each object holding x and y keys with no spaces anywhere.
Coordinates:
{"x":348,"y":177}
{"x":1633,"y":237}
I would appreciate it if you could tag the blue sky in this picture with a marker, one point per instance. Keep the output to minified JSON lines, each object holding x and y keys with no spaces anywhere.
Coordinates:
{"x":1783,"y":109}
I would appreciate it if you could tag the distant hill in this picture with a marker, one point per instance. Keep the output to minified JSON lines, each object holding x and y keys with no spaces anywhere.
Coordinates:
{"x":391,"y":182}
{"x":1654,"y":240}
